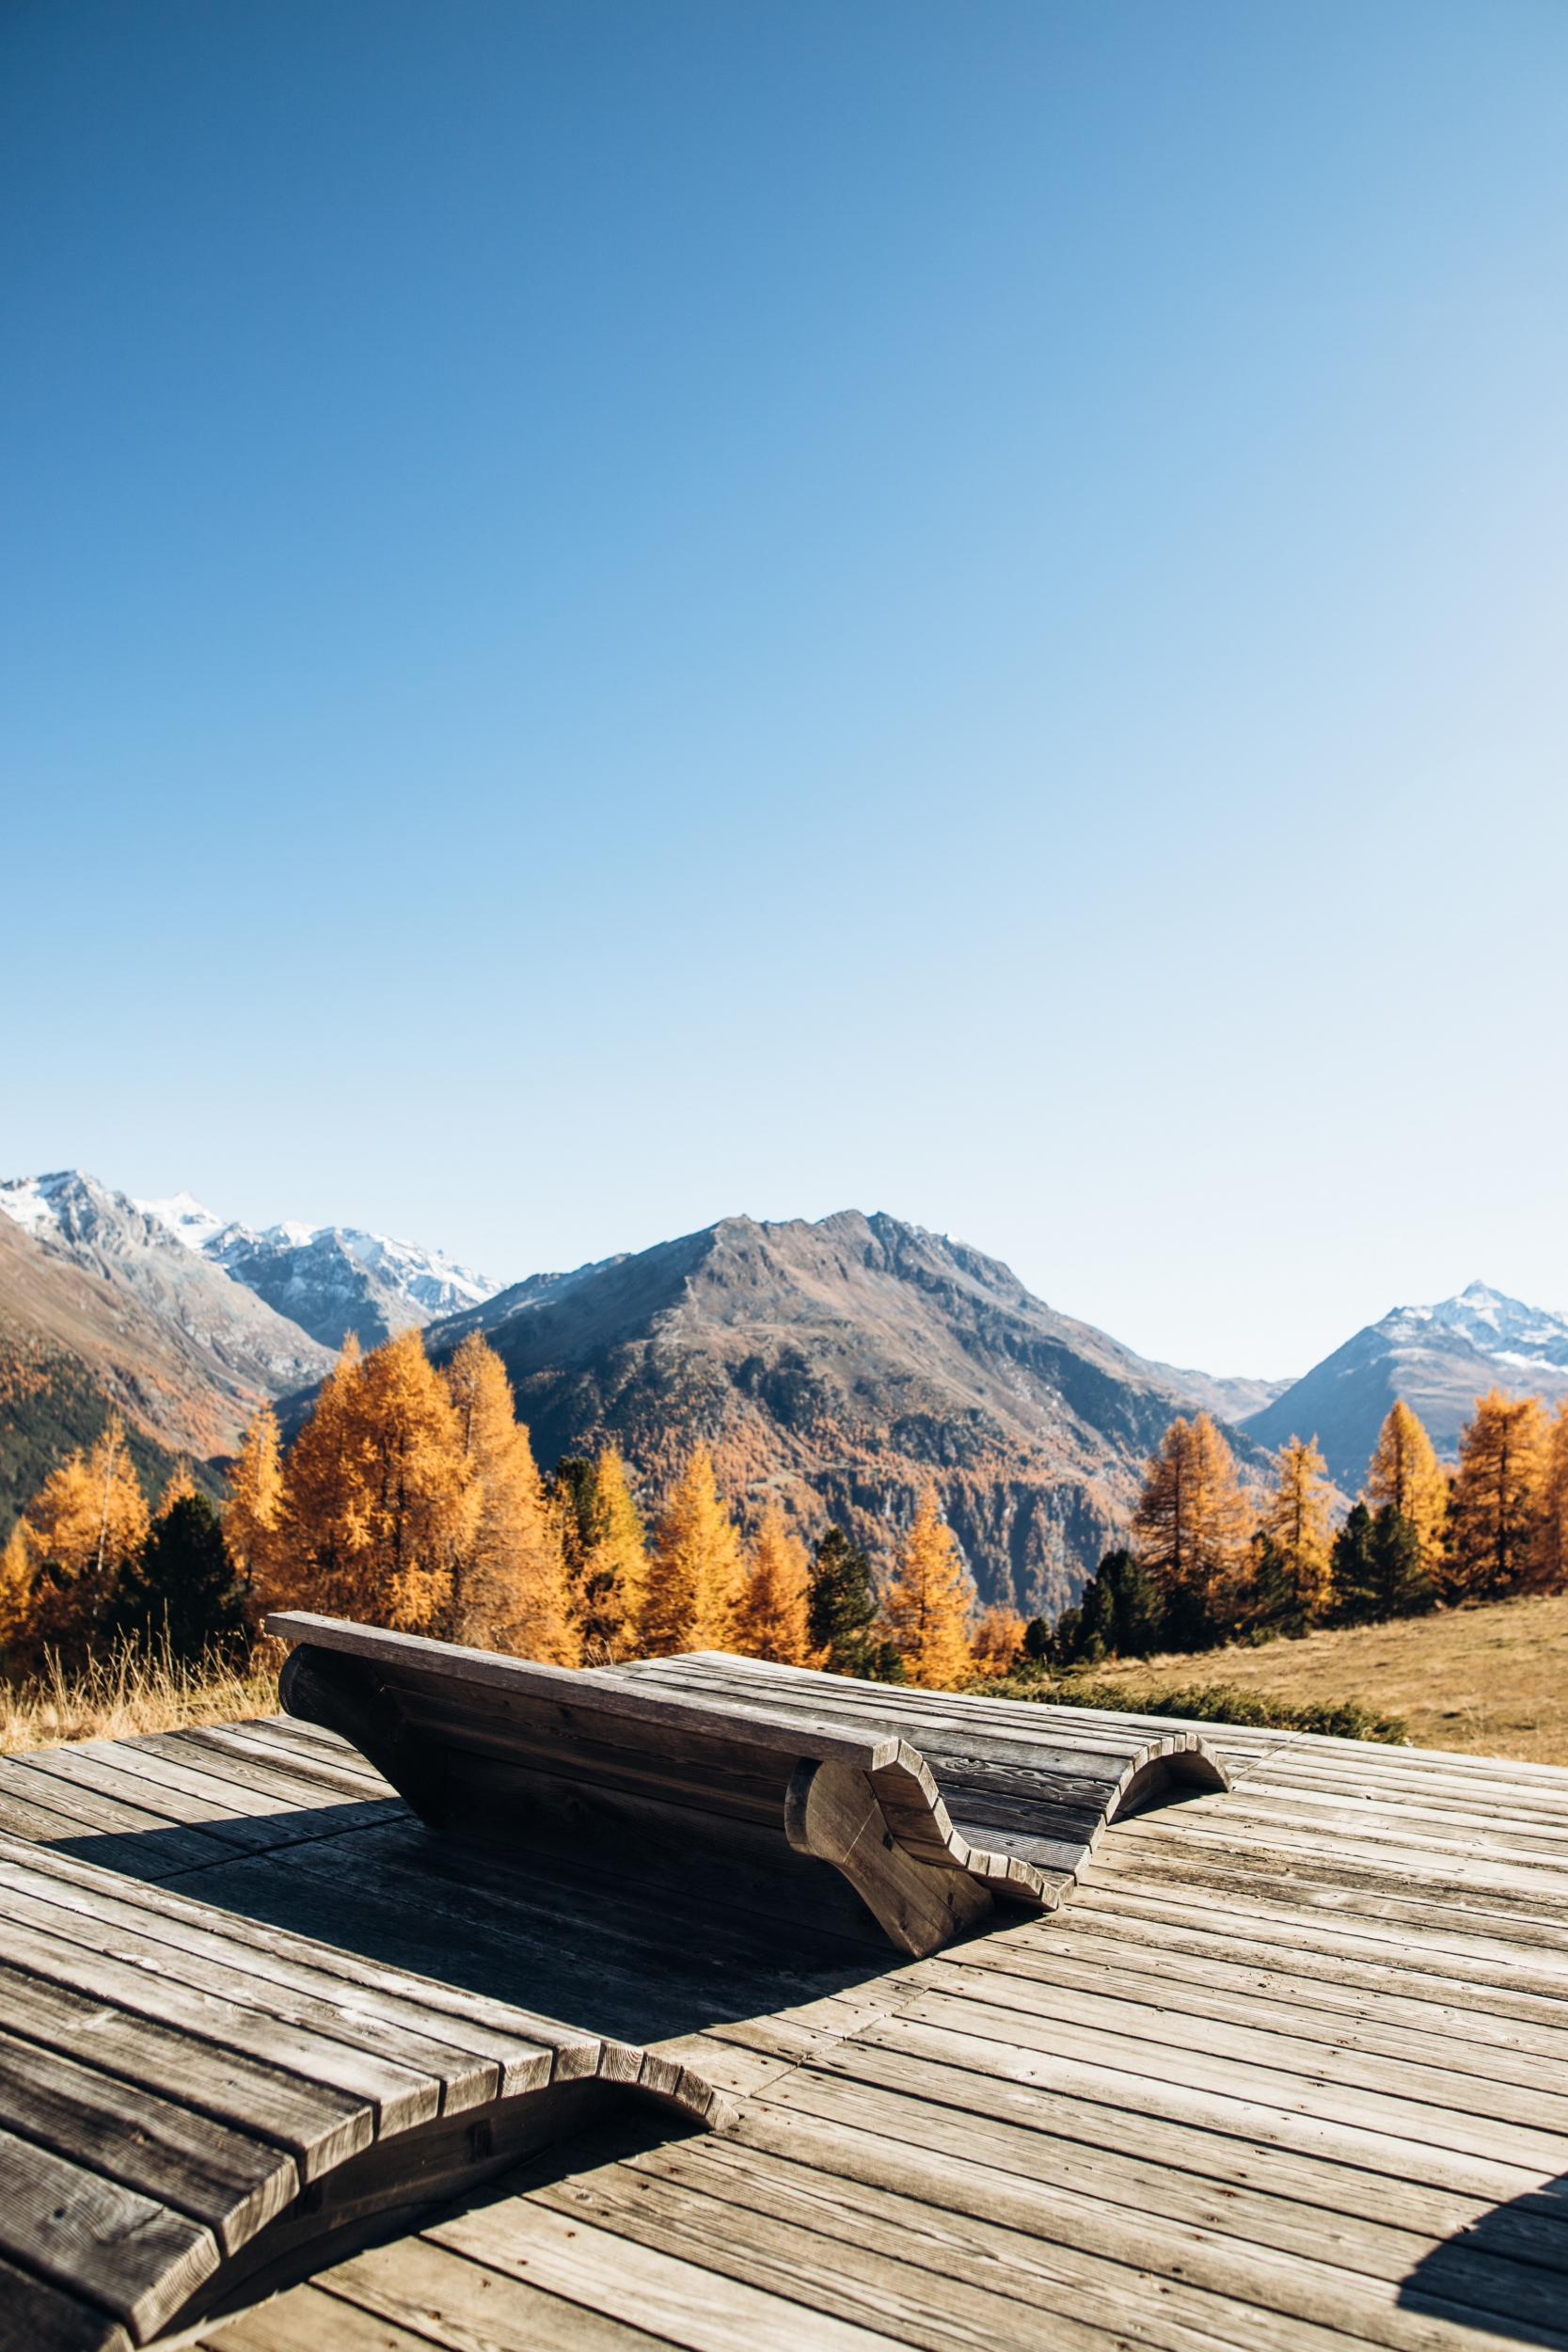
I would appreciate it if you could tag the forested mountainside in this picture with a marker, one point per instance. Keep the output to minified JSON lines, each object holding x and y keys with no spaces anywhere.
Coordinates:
{"x":839,"y":1366}
{"x":72,"y":1347}
{"x":1438,"y":1359}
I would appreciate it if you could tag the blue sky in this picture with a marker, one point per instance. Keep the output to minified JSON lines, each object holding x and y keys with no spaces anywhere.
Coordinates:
{"x":616,"y":613}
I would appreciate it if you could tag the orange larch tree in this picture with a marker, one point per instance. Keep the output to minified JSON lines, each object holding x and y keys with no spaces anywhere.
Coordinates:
{"x":696,"y":1569}
{"x":253,"y":1514}
{"x":996,"y":1640}
{"x":1294,"y":1572}
{"x":1493,"y":1530}
{"x":1550,"y":1565}
{"x":85,"y":1526}
{"x":926,"y":1607}
{"x":606,"y":1554}
{"x":381,"y":1501}
{"x":509,"y":1580}
{"x":1191,"y":1529}
{"x":769,"y":1619}
{"x":1405,"y":1475}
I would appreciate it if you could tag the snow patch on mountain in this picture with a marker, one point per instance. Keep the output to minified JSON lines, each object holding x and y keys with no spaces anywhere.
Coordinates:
{"x":1505,"y":1328}
{"x":330,"y":1280}
{"x":185,"y":1216}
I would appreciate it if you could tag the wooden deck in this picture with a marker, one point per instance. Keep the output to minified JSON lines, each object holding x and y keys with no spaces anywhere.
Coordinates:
{"x":1286,"y":2072}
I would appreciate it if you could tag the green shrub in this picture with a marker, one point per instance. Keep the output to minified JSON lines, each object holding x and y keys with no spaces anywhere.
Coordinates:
{"x":1208,"y":1703}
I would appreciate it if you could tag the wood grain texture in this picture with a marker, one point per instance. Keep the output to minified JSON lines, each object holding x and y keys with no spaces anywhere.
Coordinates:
{"x":1285,"y":2075}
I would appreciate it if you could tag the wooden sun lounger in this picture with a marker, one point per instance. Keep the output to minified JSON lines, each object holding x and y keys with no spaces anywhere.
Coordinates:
{"x":194,"y":2107}
{"x":809,"y":1794}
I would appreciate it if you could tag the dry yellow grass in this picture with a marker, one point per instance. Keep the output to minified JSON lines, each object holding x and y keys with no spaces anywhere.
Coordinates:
{"x":127,"y":1692}
{"x":1491,"y":1681}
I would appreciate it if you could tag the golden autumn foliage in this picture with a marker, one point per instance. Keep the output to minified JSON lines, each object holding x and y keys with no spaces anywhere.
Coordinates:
{"x":926,"y":1607}
{"x":16,"y":1590}
{"x":508,"y":1588}
{"x":1295,"y":1530}
{"x":1550,"y":1567}
{"x":379,"y":1500}
{"x":609,"y":1563}
{"x":177,"y":1485}
{"x":88,"y":1522}
{"x":1493,"y":1532}
{"x":769,"y":1617}
{"x":1191,"y":1525}
{"x":410,"y":1499}
{"x":696,"y":1571}
{"x":253,"y":1515}
{"x":996,"y":1640}
{"x":1404,"y":1476}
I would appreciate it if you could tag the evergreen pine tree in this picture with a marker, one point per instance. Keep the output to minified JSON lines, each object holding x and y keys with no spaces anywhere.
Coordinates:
{"x":841,"y":1612}
{"x":1379,"y":1571}
{"x":180,"y":1592}
{"x":926,"y":1609}
{"x":1119,"y":1615}
{"x":1191,"y":1529}
{"x":769,"y":1619}
{"x":1495,"y":1504}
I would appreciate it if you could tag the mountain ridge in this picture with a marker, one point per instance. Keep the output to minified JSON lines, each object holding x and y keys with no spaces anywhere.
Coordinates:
{"x":1432,"y":1357}
{"x":834,"y":1367}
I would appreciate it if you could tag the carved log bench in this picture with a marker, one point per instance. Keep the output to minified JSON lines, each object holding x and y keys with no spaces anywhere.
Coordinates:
{"x":794,"y":1791}
{"x":196,"y":2108}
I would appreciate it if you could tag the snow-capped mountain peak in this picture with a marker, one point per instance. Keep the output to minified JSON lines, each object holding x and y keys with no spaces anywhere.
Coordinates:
{"x":185,"y":1216}
{"x":330,"y":1278}
{"x":1505,"y":1328}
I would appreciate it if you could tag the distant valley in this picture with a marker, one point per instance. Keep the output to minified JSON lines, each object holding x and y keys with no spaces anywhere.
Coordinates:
{"x":834,"y":1366}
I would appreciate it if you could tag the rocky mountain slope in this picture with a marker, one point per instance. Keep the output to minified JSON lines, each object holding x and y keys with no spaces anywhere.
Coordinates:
{"x":219,"y":1324}
{"x":330,"y":1280}
{"x":837,"y":1366}
{"x":73,"y":1345}
{"x":1438,"y":1359}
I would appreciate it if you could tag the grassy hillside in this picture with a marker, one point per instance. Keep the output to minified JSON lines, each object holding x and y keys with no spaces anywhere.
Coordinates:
{"x":1491,"y":1681}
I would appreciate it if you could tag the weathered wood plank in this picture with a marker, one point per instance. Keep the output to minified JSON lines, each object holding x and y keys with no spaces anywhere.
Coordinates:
{"x":471,"y":2066}
{"x":84,"y":1809}
{"x":472,"y":2021}
{"x":229,"y":2180}
{"x":104,"y":2243}
{"x":1051,"y":1986}
{"x":1420,"y":2103}
{"x":1333,"y":2124}
{"x":316,"y":2124}
{"x":1061,"y":2149}
{"x":38,"y":2317}
{"x":913,"y":2267}
{"x":1334,"y":1971}
{"x":397,"y":2096}
{"x":441,"y":2297}
{"x":869,"y":2195}
{"x":678,"y":2300}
